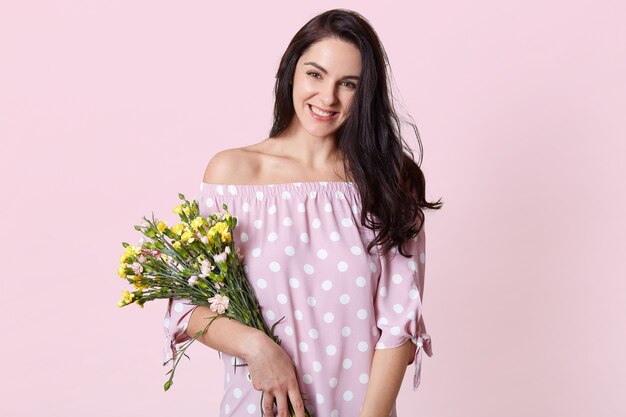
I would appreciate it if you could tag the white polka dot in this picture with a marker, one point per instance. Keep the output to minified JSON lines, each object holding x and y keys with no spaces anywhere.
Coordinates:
{"x":308,"y":268}
{"x":282,"y":298}
{"x":334,"y":413}
{"x":396,"y":278}
{"x":322,"y":254}
{"x":259,"y":195}
{"x":332,"y":382}
{"x":272,"y":237}
{"x":237,"y":392}
{"x":246,"y":207}
{"x":287,"y":222}
{"x":251,"y":408}
{"x":364,"y":378}
{"x":331,"y":350}
{"x":244,"y":237}
{"x":290,"y":250}
{"x":316,"y":223}
{"x":410,"y":315}
{"x":209,"y":202}
{"x":347,"y":395}
{"x":355,"y":250}
{"x":346,"y":222}
{"x":334,"y":236}
{"x":395,"y":330}
{"x":286,"y":195}
{"x":261,"y":283}
{"x":360,"y":282}
{"x":313,"y":194}
{"x":345,"y":332}
{"x":412,"y":265}
{"x":256,"y":252}
{"x":226,"y":409}
{"x":298,"y":314}
{"x":317,"y":366}
{"x":319,"y":398}
{"x":344,"y":299}
{"x":422,"y":257}
{"x":304,"y":237}
{"x":355,"y":209}
{"x":270,"y":314}
{"x":274,"y":266}
{"x":289,"y":330}
{"x":329,"y":317}
{"x":178,"y":307}
{"x":311,"y":301}
{"x":339,"y":195}
{"x":373,"y":267}
{"x":380,"y":345}
{"x":362,"y":346}
{"x":347,"y":364}
{"x":328,"y":207}
{"x":362,"y":314}
{"x":166,"y":323}
{"x":301,"y":208}
{"x":183,"y":325}
{"x":342,"y":266}
{"x":220,"y":190}
{"x":314,"y":334}
{"x":327,"y":285}
{"x":382,"y":322}
{"x":258,"y":223}
{"x":232,"y":189}
{"x":382,"y":291}
{"x":303,"y":347}
{"x":398,"y":308}
{"x":294,"y":283}
{"x":413,"y":293}
{"x":272,"y":209}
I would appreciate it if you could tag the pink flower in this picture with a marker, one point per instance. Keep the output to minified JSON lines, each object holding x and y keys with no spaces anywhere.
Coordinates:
{"x":193,"y":280}
{"x":220,"y":257}
{"x":218,"y":304}
{"x":218,"y":285}
{"x":227,"y":249}
{"x":137,"y":268}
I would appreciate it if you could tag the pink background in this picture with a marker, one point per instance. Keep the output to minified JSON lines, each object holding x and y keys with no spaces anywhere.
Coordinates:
{"x":109,"y":109}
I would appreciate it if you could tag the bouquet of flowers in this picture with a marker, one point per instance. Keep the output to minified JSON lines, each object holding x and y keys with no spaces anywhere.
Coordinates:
{"x":195,"y":259}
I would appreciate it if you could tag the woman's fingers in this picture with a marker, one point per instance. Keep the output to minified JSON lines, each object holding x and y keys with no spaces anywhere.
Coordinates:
{"x":281,"y":403}
{"x":296,"y":401}
{"x":268,"y":404}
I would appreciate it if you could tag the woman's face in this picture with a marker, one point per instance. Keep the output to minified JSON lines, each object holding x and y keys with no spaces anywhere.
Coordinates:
{"x":324,"y":83}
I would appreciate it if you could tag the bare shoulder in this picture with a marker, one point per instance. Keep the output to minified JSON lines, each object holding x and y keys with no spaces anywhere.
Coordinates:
{"x":232,"y":166}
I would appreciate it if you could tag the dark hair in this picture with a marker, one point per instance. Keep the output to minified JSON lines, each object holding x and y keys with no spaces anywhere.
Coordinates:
{"x":391,"y":185}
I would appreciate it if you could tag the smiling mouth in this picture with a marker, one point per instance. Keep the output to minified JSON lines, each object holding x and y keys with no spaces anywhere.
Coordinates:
{"x":321,"y":113}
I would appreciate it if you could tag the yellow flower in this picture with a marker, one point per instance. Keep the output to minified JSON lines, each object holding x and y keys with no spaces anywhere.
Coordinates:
{"x":187,"y":210}
{"x":186,"y":236}
{"x":176,"y":245}
{"x":222,"y":229}
{"x":161,"y":226}
{"x":121,"y":271}
{"x":129,"y":251}
{"x":196,"y":223}
{"x":127,"y":297}
{"x":177,"y":228}
{"x":178,"y":209}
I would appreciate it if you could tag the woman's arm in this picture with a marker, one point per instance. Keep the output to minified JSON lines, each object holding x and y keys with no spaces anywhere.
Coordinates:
{"x":271,"y":368}
{"x":388,"y":368}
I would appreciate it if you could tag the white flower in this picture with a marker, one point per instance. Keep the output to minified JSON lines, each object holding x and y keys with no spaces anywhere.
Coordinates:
{"x":193,"y":280}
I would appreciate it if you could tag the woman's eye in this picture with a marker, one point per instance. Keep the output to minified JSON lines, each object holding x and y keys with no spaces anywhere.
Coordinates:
{"x":350,"y":84}
{"x":313,"y":73}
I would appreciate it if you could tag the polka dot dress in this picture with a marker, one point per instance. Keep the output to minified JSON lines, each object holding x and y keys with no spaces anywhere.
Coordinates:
{"x":305,"y":254}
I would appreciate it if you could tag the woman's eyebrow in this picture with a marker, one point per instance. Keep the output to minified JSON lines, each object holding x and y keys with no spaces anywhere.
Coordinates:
{"x":318,"y":66}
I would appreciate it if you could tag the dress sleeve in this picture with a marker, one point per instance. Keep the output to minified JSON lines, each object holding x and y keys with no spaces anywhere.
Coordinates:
{"x":398,"y":301}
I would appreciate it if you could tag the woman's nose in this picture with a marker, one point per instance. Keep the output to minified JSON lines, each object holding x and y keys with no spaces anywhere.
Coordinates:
{"x":328,"y":94}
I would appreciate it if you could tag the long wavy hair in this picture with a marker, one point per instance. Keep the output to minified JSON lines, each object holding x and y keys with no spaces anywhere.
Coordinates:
{"x":377,"y":159}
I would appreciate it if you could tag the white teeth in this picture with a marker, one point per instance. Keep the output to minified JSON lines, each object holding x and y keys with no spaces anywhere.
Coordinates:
{"x":321,"y":113}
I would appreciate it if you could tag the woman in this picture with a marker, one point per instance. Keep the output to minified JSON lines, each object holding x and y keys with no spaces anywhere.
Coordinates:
{"x":323,"y":205}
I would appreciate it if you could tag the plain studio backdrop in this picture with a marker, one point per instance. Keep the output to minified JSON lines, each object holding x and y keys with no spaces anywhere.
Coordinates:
{"x":109,"y":109}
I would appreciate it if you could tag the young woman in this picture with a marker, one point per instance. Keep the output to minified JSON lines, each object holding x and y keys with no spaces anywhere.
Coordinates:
{"x":324,"y":205}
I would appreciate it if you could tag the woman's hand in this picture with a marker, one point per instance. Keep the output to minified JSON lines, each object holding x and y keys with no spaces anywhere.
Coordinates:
{"x":273,"y":372}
